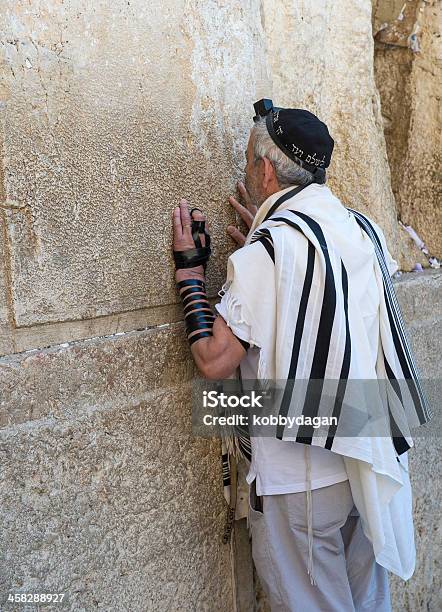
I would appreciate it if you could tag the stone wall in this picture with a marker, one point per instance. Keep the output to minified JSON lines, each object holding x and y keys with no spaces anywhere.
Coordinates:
{"x":110,"y":112}
{"x":419,"y":297}
{"x":408,"y":69}
{"x":105,"y":494}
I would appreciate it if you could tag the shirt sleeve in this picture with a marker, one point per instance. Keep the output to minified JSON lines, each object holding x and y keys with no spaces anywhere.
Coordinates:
{"x":244,"y":302}
{"x":240,"y":330}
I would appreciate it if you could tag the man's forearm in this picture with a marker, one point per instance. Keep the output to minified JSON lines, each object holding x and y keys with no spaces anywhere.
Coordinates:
{"x":216,"y":357}
{"x":215,"y":349}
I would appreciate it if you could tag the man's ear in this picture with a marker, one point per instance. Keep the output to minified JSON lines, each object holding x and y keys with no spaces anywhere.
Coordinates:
{"x":269,"y":176}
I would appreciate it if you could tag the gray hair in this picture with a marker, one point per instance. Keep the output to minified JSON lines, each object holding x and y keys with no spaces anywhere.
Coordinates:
{"x":287,"y":171}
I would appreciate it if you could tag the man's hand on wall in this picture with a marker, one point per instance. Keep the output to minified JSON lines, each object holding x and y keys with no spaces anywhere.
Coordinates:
{"x":182,"y":238}
{"x":247,"y":213}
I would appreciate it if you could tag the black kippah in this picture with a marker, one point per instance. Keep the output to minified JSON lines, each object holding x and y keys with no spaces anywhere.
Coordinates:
{"x":303,"y":137}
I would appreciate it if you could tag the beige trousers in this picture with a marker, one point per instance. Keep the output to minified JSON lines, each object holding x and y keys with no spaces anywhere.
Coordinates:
{"x":347,"y":577}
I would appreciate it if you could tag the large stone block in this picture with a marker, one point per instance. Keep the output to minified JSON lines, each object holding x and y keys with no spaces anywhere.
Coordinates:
{"x":65,"y":379}
{"x":423,"y":590}
{"x":113,"y":111}
{"x":419,"y":295}
{"x":105,"y":495}
{"x":409,"y":75}
{"x":420,"y":193}
{"x":5,"y":314}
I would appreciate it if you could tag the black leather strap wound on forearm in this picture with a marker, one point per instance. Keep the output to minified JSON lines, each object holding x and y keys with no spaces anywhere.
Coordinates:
{"x":198,"y":314}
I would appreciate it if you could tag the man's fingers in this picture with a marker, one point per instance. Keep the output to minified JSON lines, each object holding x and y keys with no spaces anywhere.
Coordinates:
{"x":245,"y":215}
{"x":237,"y":236}
{"x":185,"y":218}
{"x":199,"y":216}
{"x":246,"y":198}
{"x":244,"y":193}
{"x":177,"y":227}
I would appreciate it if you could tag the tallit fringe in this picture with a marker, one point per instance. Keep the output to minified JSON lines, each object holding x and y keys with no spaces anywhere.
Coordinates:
{"x":249,"y":522}
{"x":235,"y":310}
{"x":236,"y":315}
{"x":262,"y":369}
{"x":232,"y":445}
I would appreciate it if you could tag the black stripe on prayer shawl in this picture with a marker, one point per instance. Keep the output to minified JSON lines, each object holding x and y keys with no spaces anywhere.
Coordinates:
{"x":320,"y":357}
{"x":390,"y":298}
{"x":288,"y":389}
{"x":265,"y":238}
{"x":342,"y":385}
{"x":264,"y":232}
{"x":282,"y":199}
{"x":393,"y":380}
{"x":399,"y":441}
{"x":398,"y":332}
{"x":322,"y":346}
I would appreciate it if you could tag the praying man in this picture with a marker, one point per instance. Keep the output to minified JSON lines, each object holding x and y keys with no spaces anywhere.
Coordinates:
{"x":308,"y":298}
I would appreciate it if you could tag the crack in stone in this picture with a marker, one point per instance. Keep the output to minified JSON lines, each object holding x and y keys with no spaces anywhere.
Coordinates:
{"x":8,"y":278}
{"x":58,"y":345}
{"x":13,"y":206}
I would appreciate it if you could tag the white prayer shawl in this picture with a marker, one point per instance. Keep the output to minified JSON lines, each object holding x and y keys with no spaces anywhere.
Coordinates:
{"x":290,"y":288}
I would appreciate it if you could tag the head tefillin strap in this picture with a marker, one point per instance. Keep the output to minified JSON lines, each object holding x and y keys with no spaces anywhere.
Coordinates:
{"x":200,"y":254}
{"x":300,"y":135}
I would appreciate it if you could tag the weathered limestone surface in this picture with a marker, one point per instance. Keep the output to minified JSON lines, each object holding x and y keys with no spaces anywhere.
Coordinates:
{"x":419,"y":296}
{"x":105,"y":495}
{"x":408,"y":68}
{"x":394,"y":21}
{"x":321,"y":57}
{"x":112,"y":112}
{"x":423,"y":590}
{"x":420,"y":194}
{"x":6,"y":344}
{"x":392,"y":68}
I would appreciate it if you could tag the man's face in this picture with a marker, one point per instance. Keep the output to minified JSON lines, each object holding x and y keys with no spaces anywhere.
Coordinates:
{"x":253,"y":178}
